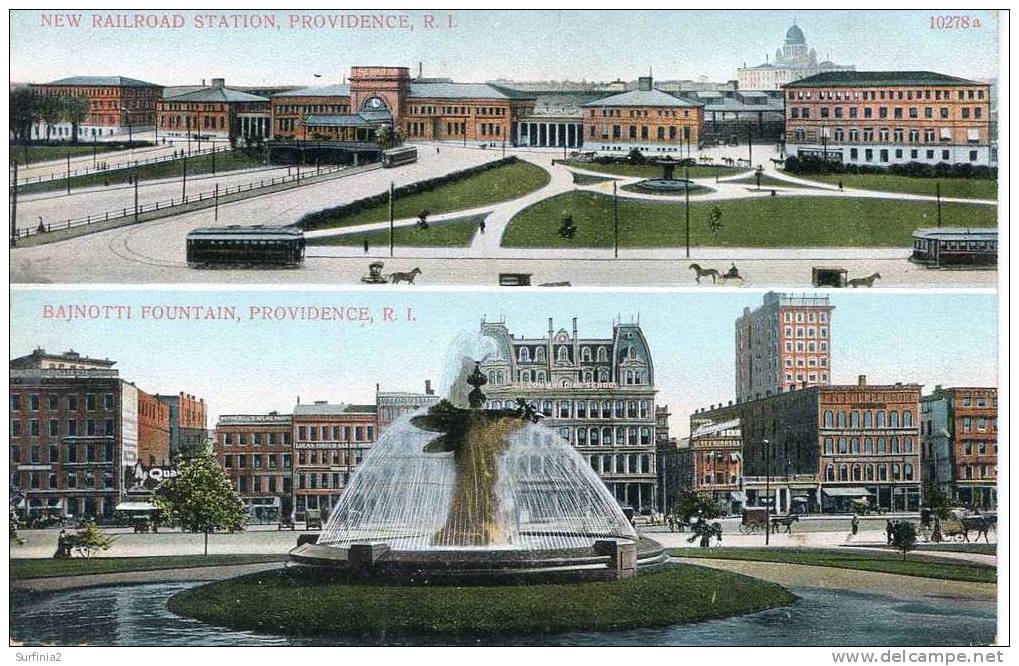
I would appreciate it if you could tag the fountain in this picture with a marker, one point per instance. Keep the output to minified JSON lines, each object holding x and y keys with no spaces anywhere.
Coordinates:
{"x":460,"y":492}
{"x":668,"y":183}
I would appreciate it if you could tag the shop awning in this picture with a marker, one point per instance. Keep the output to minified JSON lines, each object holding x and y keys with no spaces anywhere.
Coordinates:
{"x":135,"y":506}
{"x":738,"y":495}
{"x":847,"y":492}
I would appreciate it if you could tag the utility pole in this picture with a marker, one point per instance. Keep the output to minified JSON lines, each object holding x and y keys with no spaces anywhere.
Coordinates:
{"x":68,"y":173}
{"x":938,"y":192}
{"x":392,"y":192}
{"x":615,"y":217}
{"x":94,"y":156}
{"x":213,"y":159}
{"x":136,"y":195}
{"x":686,"y":208}
{"x":750,"y":143}
{"x":767,"y":492}
{"x":183,"y":177}
{"x":14,"y":207}
{"x":216,"y":202}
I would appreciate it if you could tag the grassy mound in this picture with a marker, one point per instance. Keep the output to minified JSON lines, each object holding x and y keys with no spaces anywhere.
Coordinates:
{"x":22,"y":568}
{"x":295,"y":604}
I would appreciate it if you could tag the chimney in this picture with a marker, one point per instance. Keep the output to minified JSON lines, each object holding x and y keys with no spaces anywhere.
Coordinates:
{"x":298,"y":400}
{"x":428,"y":387}
{"x":218,"y":83}
{"x":574,"y":328}
{"x":937,"y":387}
{"x":861,"y":380}
{"x":203,"y":83}
{"x":420,"y":70}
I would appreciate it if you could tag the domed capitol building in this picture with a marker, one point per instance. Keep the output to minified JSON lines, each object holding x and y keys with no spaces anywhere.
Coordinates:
{"x":793,"y":61}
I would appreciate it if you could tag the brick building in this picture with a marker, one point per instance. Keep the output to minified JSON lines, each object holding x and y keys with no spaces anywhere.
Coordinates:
{"x":646,"y":119}
{"x":188,"y":423}
{"x":153,"y":431}
{"x":716,"y":460}
{"x":392,"y":405}
{"x":426,"y":109}
{"x":214,"y":112}
{"x":256,"y":453}
{"x":959,"y":430}
{"x":597,"y":392}
{"x":883,"y":118}
{"x":73,"y":434}
{"x":782,"y":345}
{"x":330,"y":441}
{"x":114,"y":103}
{"x":829,"y":447}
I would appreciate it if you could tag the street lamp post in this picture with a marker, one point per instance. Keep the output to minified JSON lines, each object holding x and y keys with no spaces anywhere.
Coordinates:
{"x":615,"y":218}
{"x":767,"y":492}
{"x":14,"y":207}
{"x":686,"y":207}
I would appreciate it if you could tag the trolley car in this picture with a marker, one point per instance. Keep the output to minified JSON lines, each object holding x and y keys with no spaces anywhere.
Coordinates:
{"x":238,"y":245}
{"x":397,"y":156}
{"x":955,"y":247}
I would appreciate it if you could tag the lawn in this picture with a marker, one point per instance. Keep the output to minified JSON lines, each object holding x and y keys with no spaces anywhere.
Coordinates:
{"x":696,"y":190}
{"x":767,"y":182}
{"x":883,"y":561}
{"x":47,"y":568}
{"x":964,"y":188}
{"x":291,"y":603}
{"x":649,"y":170}
{"x":780,"y":221}
{"x":46,"y":153}
{"x":454,"y":233}
{"x":201,"y":164}
{"x":501,"y":183}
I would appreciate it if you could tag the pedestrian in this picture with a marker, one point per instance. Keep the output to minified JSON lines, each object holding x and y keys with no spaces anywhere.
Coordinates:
{"x":888,"y":531}
{"x":855,"y":524}
{"x":481,"y":225}
{"x":366,"y":247}
{"x":840,"y":186}
{"x":436,"y":150}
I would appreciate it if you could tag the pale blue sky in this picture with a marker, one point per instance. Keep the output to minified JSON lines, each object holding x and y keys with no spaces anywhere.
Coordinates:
{"x":245,"y":367}
{"x":598,"y":46}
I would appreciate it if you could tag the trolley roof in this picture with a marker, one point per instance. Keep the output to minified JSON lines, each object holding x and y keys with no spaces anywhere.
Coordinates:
{"x":245,"y":232}
{"x":956,"y":233}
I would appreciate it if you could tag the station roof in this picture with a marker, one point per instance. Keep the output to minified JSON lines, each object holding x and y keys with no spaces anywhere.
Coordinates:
{"x":465,"y":91}
{"x":121,"y":81}
{"x":362,"y":119}
{"x":652,"y":97}
{"x":336,"y":90}
{"x":883,"y":78}
{"x":216,"y":94}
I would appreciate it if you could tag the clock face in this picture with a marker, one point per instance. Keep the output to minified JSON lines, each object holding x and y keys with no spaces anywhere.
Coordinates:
{"x":374,"y":104}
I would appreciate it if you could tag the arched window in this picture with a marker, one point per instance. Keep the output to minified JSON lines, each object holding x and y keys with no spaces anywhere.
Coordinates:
{"x":619,"y":409}
{"x":589,"y":376}
{"x":857,"y":473}
{"x":895,"y":445}
{"x":907,"y":418}
{"x":491,"y":376}
{"x":581,"y":436}
{"x":541,"y":376}
{"x":524,"y":354}
{"x":829,"y":446}
{"x":882,"y":472}
{"x":843,"y":472}
{"x":603,"y":375}
{"x":546,"y":408}
{"x":829,"y":472}
{"x":881,"y":445}
{"x":868,"y":445}
{"x":907,"y":471}
{"x":539,"y":354}
{"x":880,"y":418}
{"x":854,"y":419}
{"x":606,"y":436}
{"x":564,"y":433}
{"x":896,"y":472}
{"x":603,"y":354}
{"x":868,"y":419}
{"x":629,"y":376}
{"x":585,"y":354}
{"x":907,"y":445}
{"x":842,"y":419}
{"x":525,"y":375}
{"x":594,"y":436}
{"x":500,"y":377}
{"x":562,"y":355}
{"x":854,"y":445}
{"x":893,"y":419}
{"x":829,"y":419}
{"x":842,"y":445}
{"x":606,"y":409}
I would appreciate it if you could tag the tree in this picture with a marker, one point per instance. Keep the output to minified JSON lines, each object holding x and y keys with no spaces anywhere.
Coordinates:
{"x":904,"y":537}
{"x":938,"y":502}
{"x":715,"y":219}
{"x":200,"y":499}
{"x":692,"y":504}
{"x":75,"y":112}
{"x":90,"y":540}
{"x":51,"y":110}
{"x":567,"y":227}
{"x":22,"y":112}
{"x":14,"y":522}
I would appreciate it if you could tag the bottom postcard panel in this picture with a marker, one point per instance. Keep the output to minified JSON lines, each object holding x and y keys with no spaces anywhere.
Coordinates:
{"x":511,"y":468}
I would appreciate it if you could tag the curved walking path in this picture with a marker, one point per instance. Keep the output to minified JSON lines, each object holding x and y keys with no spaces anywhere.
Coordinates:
{"x":182,"y":574}
{"x":854,"y":580}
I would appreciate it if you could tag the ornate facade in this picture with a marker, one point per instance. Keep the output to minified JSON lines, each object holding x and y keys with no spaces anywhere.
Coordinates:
{"x":793,"y":60}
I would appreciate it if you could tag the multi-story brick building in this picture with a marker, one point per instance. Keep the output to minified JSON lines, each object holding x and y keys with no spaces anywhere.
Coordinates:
{"x":114,"y":103}
{"x":424,"y":109}
{"x":782,"y":345}
{"x":716,"y":459}
{"x":330,"y":441}
{"x":884,"y":118}
{"x":828,"y":447}
{"x":73,"y":434}
{"x":256,"y":452}
{"x":392,"y":405}
{"x":153,"y":431}
{"x":959,"y":429}
{"x":674,"y":463}
{"x":188,"y":423}
{"x":646,"y":119}
{"x":215,"y":112}
{"x":598,"y":393}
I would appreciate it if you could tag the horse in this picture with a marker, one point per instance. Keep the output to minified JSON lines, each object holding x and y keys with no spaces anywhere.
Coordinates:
{"x":864,"y":281}
{"x":409,"y":276}
{"x":978,"y":524}
{"x":777,"y":162}
{"x":787,"y":521}
{"x":704,"y":272}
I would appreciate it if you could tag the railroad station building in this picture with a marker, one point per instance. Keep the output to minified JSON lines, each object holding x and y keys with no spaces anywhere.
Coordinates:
{"x":598,"y":393}
{"x":214,"y":113}
{"x":883,"y":118}
{"x":959,"y":431}
{"x":114,"y":103}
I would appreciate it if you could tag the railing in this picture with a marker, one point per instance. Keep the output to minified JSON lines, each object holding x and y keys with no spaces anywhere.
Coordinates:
{"x":204,"y":196}
{"x":117,"y":166}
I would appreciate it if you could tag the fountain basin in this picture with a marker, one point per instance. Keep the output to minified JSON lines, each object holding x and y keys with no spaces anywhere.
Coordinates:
{"x":666,"y":186}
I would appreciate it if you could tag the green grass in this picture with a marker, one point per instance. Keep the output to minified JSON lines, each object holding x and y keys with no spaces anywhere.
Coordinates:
{"x":286,"y":602}
{"x":979,"y":548}
{"x":46,"y":153}
{"x":501,"y":183}
{"x":767,"y":182}
{"x":225,"y":161}
{"x":48,"y":568}
{"x":648,"y":170}
{"x":695,"y":191}
{"x":964,"y":188}
{"x":457,"y":233}
{"x":767,"y":222}
{"x":881,"y":561}
{"x":585,"y":179}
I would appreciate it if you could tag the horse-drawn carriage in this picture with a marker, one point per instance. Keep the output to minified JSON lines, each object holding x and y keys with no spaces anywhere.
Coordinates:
{"x":754,"y":520}
{"x":960,"y":523}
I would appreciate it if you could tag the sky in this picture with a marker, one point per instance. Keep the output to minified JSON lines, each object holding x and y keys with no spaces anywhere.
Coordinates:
{"x":482,"y":45}
{"x":255,"y":366}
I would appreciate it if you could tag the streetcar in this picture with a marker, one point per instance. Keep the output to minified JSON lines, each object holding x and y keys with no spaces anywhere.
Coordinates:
{"x":953,"y":247}
{"x":397,"y":156}
{"x":238,"y":245}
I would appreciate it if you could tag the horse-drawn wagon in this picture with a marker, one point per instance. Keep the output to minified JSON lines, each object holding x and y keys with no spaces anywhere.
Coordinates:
{"x":754,"y":521}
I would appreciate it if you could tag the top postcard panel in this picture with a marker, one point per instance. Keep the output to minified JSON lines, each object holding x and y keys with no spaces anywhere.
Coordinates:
{"x":568,"y":148}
